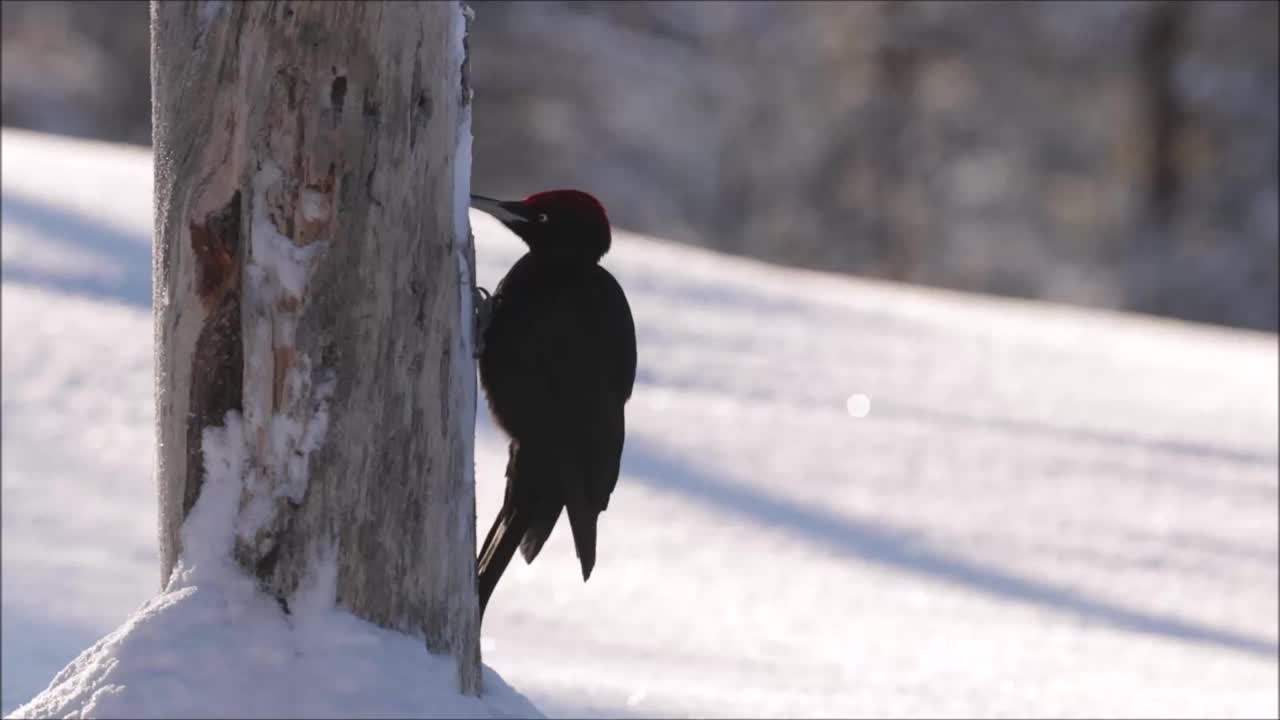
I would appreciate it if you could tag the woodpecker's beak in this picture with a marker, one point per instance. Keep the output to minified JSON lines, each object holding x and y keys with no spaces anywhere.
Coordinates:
{"x":509,"y":213}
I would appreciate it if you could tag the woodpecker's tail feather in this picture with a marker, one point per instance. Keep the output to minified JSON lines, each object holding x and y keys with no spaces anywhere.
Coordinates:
{"x":541,"y":524}
{"x":498,"y":549}
{"x":582,"y":521}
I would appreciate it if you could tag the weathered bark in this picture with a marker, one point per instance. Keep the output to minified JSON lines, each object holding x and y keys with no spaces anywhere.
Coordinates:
{"x":313,"y":271}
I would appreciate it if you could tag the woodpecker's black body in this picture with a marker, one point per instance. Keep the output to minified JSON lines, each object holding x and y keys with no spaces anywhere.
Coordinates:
{"x":557,"y":366}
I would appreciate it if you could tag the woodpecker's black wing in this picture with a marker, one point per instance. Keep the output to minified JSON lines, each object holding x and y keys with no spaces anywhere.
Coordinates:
{"x":617,"y":336}
{"x":586,"y":354}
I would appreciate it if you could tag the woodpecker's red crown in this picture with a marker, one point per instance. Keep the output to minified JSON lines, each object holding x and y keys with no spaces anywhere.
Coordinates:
{"x":569,"y":202}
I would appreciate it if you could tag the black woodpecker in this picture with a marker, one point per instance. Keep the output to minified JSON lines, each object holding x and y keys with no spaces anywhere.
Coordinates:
{"x":558,"y":364}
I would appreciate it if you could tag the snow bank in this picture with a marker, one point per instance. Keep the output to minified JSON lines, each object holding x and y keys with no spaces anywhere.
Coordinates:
{"x":212,"y":644}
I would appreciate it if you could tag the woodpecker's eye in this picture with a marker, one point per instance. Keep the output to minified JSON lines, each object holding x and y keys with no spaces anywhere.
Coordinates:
{"x":542,"y":217}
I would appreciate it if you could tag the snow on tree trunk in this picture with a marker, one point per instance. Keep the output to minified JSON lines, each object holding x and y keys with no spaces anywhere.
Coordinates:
{"x":312,"y":276}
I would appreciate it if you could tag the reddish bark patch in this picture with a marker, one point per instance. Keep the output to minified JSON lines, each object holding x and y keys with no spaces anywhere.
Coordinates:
{"x":285,"y":358}
{"x":215,"y":241}
{"x":217,"y":364}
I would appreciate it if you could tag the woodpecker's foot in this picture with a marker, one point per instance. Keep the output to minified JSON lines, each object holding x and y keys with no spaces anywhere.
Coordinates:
{"x":484,"y":313}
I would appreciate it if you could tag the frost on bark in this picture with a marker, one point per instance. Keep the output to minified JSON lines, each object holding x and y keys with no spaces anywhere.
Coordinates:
{"x":312,"y":274}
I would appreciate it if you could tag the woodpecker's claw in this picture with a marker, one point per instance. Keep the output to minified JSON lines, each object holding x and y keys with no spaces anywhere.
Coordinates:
{"x":484,"y":313}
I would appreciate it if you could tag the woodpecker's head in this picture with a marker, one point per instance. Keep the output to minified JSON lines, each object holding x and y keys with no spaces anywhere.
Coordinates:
{"x":565,"y":224}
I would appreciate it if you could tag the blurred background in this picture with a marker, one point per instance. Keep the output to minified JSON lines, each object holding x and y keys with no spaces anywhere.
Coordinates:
{"x":1110,"y":154}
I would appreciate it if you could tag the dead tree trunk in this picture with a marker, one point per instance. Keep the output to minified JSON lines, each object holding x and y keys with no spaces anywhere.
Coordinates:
{"x":312,"y":278}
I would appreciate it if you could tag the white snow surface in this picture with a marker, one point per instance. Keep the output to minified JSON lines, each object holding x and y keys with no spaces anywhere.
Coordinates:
{"x":1045,"y":511}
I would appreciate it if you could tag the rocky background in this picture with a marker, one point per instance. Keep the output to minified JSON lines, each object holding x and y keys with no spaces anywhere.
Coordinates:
{"x":1113,"y":154}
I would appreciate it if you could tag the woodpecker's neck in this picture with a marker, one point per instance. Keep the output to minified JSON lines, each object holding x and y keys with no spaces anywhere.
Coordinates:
{"x":566,"y":252}
{"x":563,"y":262}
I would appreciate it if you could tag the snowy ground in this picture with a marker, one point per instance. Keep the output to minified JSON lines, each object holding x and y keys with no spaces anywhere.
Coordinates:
{"x":1047,"y":511}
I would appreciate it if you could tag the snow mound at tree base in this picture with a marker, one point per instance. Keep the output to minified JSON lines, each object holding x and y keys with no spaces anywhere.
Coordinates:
{"x":221,"y":648}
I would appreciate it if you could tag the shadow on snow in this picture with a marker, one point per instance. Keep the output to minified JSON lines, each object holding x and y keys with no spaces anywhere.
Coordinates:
{"x":130,"y":252}
{"x":894,"y":548}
